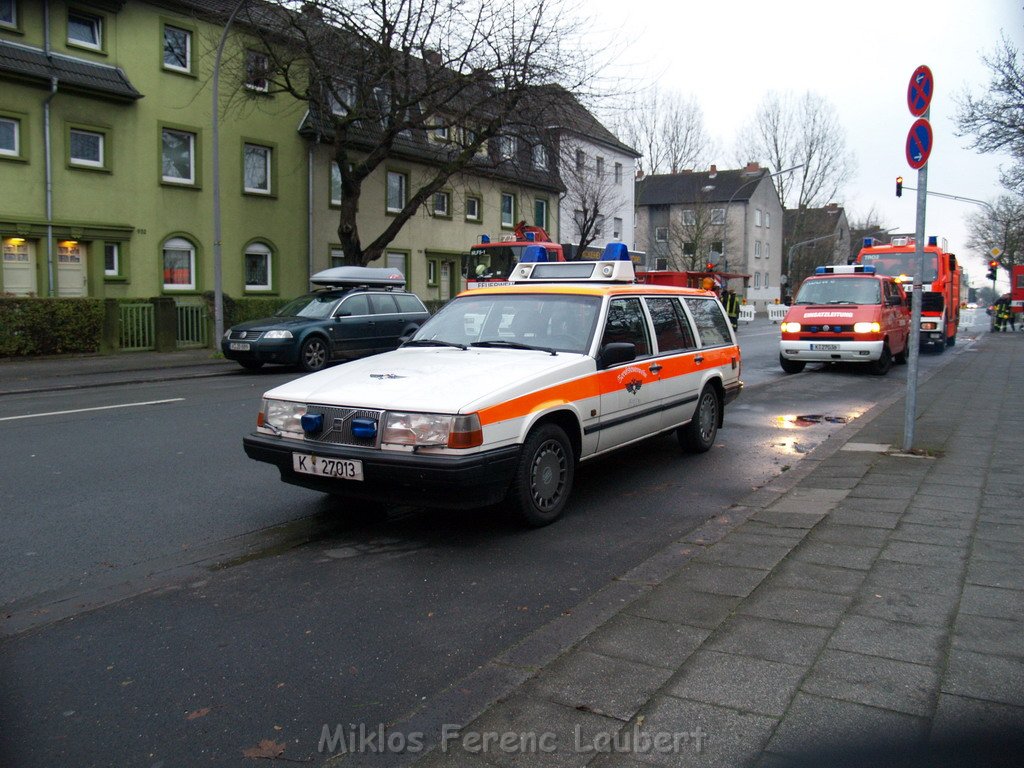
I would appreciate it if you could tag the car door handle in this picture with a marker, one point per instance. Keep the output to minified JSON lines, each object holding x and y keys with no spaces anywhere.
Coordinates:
{"x":698,"y":359}
{"x":655,"y":368}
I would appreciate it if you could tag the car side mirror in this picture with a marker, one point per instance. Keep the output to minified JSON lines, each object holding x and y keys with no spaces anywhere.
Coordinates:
{"x":615,"y":353}
{"x":342,"y":313}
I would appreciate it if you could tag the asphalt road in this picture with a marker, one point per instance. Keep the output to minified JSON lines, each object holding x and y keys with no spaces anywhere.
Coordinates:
{"x":319,"y":619}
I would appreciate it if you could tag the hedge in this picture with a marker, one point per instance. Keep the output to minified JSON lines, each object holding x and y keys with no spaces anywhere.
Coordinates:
{"x":247,"y":308}
{"x":49,"y":326}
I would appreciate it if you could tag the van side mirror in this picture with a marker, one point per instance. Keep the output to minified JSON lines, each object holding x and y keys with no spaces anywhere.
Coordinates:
{"x":615,"y":353}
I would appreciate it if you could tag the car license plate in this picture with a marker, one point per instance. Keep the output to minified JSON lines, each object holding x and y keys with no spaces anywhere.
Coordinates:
{"x":239,"y":346}
{"x":346,"y":469}
{"x":824,"y":347}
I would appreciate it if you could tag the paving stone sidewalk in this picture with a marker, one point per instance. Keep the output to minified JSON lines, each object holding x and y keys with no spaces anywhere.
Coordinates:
{"x":873,"y":601}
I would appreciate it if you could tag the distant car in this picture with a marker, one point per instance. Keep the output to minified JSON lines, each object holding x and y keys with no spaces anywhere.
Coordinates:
{"x":972,"y":305}
{"x":360,"y":311}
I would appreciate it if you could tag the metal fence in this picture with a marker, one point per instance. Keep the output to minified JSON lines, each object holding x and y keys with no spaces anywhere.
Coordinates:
{"x":193,"y":325}
{"x":137,"y":327}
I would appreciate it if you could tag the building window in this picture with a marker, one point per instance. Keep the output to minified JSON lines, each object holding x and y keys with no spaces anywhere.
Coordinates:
{"x":472,"y":208}
{"x":767,"y":249}
{"x":178,"y":156}
{"x":765,"y":279}
{"x":540,"y":213}
{"x":179,"y":265}
{"x":177,"y":49}
{"x":85,"y":148}
{"x":257,"y":267}
{"x":111,"y":259}
{"x":600,"y":167}
{"x":399,"y":261}
{"x":689,"y":217}
{"x":617,"y":228}
{"x":257,"y":169}
{"x":506,"y":147}
{"x":337,"y":257}
{"x":661,"y":234}
{"x":441,"y":132}
{"x":335,"y":184}
{"x":757,"y":217}
{"x":599,"y":225}
{"x":85,"y":30}
{"x":716,"y":247}
{"x":689,"y":248}
{"x":757,"y":249}
{"x":257,"y":68}
{"x":508,"y":210}
{"x":618,"y":173}
{"x":757,"y":279}
{"x":10,"y":137}
{"x":443,"y":204}
{"x":581,"y":160}
{"x":540,"y":156}
{"x":396,"y":191}
{"x":718,"y":215}
{"x":767,"y":220}
{"x":9,"y":13}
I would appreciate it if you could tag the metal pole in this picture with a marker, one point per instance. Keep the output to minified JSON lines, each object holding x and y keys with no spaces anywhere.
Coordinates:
{"x":915,"y":311}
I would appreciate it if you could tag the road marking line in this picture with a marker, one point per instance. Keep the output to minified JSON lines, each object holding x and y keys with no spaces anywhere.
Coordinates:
{"x":97,"y":408}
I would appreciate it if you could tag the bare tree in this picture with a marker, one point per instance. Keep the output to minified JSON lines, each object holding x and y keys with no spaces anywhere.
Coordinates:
{"x":445,"y":84}
{"x":695,"y":236}
{"x":590,"y":191}
{"x":1001,"y":227}
{"x":791,"y":130}
{"x":668,"y":129}
{"x":871,"y":224}
{"x":996,"y":118}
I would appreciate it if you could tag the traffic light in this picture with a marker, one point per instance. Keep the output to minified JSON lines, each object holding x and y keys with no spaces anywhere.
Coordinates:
{"x":993,"y":268}
{"x":899,"y":186}
{"x":709,"y":267}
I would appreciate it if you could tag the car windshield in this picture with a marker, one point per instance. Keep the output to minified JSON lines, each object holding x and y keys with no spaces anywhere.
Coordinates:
{"x":529,"y":321}
{"x":315,"y":305}
{"x":840,"y":290}
{"x":902,"y":264}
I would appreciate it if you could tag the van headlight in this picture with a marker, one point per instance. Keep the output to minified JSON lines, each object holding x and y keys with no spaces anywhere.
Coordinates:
{"x":432,"y":429}
{"x":790,"y":327}
{"x":867,"y":328}
{"x":282,"y":415}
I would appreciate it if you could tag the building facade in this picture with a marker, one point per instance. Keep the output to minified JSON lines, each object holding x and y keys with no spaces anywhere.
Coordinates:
{"x":814,"y":237}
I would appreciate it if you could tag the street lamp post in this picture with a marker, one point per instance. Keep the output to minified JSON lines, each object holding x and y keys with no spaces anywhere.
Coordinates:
{"x":725,"y":218}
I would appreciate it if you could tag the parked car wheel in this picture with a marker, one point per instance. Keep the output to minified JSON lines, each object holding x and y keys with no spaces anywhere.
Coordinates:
{"x":313,"y":354}
{"x":791,"y":366}
{"x":699,"y":435}
{"x":543,"y":479}
{"x":881,"y":366}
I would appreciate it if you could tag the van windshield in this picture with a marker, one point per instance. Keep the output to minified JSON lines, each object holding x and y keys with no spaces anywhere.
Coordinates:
{"x":840,"y":290}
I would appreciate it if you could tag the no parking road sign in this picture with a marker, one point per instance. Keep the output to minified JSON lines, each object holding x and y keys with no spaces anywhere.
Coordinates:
{"x":919,"y":92}
{"x":919,"y":143}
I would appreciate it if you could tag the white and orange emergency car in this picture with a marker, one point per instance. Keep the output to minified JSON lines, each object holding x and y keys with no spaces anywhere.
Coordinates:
{"x":846,"y":314}
{"x":502,"y":392}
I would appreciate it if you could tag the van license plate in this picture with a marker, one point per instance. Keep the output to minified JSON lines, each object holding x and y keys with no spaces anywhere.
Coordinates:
{"x":346,"y":469}
{"x":824,"y":347}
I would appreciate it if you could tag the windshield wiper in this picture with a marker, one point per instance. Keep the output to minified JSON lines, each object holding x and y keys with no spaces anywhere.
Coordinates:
{"x":433,"y":343}
{"x":512,"y":345}
{"x":841,"y":301}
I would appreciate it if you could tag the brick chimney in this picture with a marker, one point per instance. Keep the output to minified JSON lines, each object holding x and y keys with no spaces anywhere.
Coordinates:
{"x":753,"y":167}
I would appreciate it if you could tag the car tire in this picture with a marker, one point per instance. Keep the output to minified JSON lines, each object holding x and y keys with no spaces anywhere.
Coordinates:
{"x":901,"y":358}
{"x":881,"y":366}
{"x":251,"y":365}
{"x":791,"y":366}
{"x":313,"y":354}
{"x":951,"y":340}
{"x":699,"y":434}
{"x":543,"y":478}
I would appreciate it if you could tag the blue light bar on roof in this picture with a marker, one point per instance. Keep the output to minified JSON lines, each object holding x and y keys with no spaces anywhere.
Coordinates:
{"x":531,"y":236}
{"x":615,"y":252}
{"x":933,"y":240}
{"x":534,"y":253}
{"x":485,"y":238}
{"x":869,"y":242}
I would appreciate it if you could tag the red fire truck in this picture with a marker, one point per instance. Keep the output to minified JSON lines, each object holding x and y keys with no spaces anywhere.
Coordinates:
{"x":491,"y":262}
{"x":940,"y":299}
{"x":1017,"y":289}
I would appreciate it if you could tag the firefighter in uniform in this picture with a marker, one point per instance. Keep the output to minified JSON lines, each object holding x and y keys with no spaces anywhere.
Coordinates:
{"x":1002,"y":313}
{"x":732,"y":307}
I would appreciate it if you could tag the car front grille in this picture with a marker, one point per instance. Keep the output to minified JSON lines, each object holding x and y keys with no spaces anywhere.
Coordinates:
{"x":337,"y":425}
{"x":244,"y":335}
{"x":826,"y":337}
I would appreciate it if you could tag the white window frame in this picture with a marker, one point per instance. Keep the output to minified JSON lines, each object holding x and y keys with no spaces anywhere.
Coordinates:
{"x":187,"y":68}
{"x":191,"y":179}
{"x":617,"y":228}
{"x":599,"y":167}
{"x":765,"y":280}
{"x":511,"y":221}
{"x":14,"y":151}
{"x":402,"y":190}
{"x":115,"y":250}
{"x":441,"y":131}
{"x":83,"y":162}
{"x":542,"y":202}
{"x":337,"y":257}
{"x":335,"y":183}
{"x":259,"y":249}
{"x":767,"y":250}
{"x":10,"y":19}
{"x":445,"y":210}
{"x":767,"y":220}
{"x":257,"y":84}
{"x":618,"y":174}
{"x":689,"y":217}
{"x":397,"y":260}
{"x":507,"y":146}
{"x":581,"y":160}
{"x":718,"y":215}
{"x":473,"y":215}
{"x":92,"y":20}
{"x":661,"y":234}
{"x":757,"y":249}
{"x":757,"y":217}
{"x":540,"y":156}
{"x":179,"y":244}
{"x":252,"y":150}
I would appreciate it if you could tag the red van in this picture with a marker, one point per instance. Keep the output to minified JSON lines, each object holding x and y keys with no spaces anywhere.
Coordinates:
{"x":846,"y":314}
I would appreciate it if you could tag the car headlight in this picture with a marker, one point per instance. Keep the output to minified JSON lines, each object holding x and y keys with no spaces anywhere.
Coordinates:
{"x":277,"y":335}
{"x":790,"y":327}
{"x":282,"y":415}
{"x":929,"y":326}
{"x":432,"y":429}
{"x":227,"y":334}
{"x":867,"y":328}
